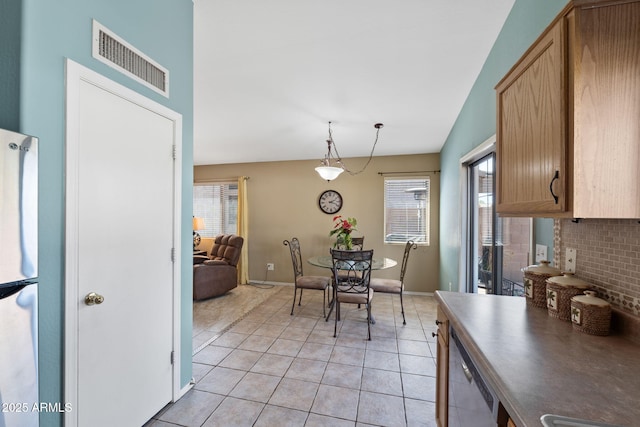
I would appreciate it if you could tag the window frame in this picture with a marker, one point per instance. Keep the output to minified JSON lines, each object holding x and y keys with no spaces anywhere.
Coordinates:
{"x":467,"y":259}
{"x":211,"y":221}
{"x":426,"y":210}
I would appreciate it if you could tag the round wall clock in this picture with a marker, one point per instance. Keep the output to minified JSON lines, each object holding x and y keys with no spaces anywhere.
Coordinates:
{"x":330,"y":202}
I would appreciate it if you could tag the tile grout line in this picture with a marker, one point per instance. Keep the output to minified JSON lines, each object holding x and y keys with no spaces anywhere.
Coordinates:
{"x":396,"y":338}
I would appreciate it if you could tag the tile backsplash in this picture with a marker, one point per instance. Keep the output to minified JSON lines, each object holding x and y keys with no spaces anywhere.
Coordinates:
{"x":608,"y":256}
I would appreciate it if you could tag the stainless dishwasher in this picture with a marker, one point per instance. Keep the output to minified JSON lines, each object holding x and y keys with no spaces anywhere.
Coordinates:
{"x":472,"y":403}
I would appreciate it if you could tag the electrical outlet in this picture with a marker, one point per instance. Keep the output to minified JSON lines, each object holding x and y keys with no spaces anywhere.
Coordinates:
{"x":270,"y":266}
{"x":570,"y":261}
{"x":541,"y":253}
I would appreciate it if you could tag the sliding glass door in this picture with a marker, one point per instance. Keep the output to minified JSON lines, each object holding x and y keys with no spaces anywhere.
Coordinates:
{"x":499,"y":247}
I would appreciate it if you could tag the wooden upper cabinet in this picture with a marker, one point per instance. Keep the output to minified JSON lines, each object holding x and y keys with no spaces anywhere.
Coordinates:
{"x":607,"y":112}
{"x":568,"y":117}
{"x":531,"y":136}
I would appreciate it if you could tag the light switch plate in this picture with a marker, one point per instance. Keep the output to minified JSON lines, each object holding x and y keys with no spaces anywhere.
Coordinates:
{"x":541,"y":253}
{"x":570,"y":261}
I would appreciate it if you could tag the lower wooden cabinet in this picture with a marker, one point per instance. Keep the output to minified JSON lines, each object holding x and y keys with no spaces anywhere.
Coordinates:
{"x":442,"y":377}
{"x":442,"y":372}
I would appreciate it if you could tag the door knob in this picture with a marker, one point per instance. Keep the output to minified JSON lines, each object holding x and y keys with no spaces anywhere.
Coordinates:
{"x":93,"y":298}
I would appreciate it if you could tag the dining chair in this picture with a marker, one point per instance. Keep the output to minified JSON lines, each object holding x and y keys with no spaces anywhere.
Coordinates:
{"x":351,"y":275}
{"x":357,"y":243}
{"x":393,"y":286}
{"x":300,"y":281}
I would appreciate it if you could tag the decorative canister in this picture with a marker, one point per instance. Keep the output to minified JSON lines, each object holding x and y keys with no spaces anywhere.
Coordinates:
{"x":590,"y":314}
{"x":560,"y":290}
{"x":535,"y":278}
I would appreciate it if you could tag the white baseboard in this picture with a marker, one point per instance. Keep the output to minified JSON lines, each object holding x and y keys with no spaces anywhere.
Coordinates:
{"x":185,"y":389}
{"x":424,"y":294}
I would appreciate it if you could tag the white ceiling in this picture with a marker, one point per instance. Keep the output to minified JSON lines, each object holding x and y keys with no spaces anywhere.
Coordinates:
{"x":270,"y":74}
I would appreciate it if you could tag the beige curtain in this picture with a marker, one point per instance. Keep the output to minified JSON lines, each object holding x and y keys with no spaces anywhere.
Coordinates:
{"x":243,"y":230}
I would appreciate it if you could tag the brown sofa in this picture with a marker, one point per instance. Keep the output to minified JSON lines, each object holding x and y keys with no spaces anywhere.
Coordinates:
{"x":216,"y":273}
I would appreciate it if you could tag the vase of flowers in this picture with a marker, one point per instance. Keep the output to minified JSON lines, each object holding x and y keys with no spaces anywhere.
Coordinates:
{"x":342,"y":229}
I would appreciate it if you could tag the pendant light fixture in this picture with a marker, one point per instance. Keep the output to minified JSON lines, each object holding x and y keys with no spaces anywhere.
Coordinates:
{"x":332,"y":165}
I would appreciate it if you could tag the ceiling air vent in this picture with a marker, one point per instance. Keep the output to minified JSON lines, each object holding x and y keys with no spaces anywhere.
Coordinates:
{"x":117,"y":53}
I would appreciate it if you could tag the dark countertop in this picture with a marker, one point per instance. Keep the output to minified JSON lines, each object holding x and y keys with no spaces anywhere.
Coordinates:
{"x":538,"y":364}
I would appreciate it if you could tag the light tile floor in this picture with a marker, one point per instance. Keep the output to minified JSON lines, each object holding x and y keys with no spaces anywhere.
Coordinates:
{"x":274,"y":369}
{"x":213,"y":316}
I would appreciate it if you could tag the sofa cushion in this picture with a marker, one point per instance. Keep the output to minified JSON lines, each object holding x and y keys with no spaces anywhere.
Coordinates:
{"x":216,"y":262}
{"x":227,"y":247}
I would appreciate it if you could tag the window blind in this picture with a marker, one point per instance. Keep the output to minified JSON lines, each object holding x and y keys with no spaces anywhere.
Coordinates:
{"x":406,"y":210}
{"x":217,"y":204}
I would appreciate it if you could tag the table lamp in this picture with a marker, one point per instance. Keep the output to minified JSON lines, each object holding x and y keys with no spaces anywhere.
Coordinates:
{"x":198,"y":224}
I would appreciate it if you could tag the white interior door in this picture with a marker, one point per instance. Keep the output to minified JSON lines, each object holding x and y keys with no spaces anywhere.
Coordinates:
{"x":120,"y":241}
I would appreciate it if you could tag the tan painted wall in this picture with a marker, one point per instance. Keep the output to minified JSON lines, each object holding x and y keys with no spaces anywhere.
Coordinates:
{"x":283,"y":203}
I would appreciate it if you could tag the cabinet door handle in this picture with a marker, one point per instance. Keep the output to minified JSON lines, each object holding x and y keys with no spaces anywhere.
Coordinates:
{"x":555,"y":177}
{"x":438,"y":322}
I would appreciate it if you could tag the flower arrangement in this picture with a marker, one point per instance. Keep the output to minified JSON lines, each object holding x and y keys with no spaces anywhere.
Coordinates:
{"x":342,"y":229}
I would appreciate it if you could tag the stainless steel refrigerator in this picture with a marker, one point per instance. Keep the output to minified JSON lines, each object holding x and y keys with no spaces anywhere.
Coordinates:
{"x":18,"y":280}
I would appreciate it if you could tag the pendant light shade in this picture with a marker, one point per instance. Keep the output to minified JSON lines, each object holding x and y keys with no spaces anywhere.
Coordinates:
{"x":330,"y":170}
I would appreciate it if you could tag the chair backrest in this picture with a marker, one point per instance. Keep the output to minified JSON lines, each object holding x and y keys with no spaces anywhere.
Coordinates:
{"x":357,"y":243}
{"x":352,"y":270}
{"x":227,"y":247}
{"x":296,"y":256}
{"x":405,"y":258}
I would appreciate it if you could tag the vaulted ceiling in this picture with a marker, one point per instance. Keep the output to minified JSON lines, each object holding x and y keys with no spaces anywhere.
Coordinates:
{"x":270,"y":74}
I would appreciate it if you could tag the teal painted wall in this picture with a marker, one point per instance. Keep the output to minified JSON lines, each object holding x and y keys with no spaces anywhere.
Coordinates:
{"x":10,"y":30}
{"x":477,"y":122}
{"x":544,"y":234}
{"x":51,"y":32}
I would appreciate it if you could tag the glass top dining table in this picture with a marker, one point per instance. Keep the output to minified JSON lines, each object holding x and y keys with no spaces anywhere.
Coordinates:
{"x":325,"y":261}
